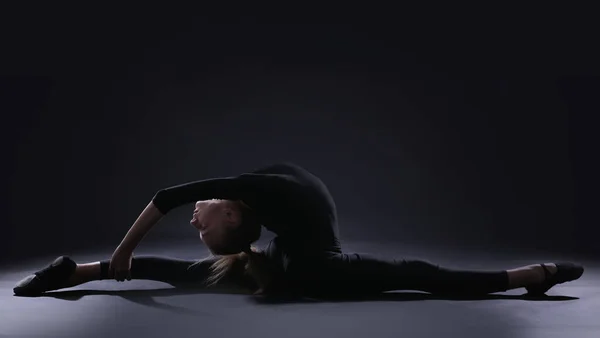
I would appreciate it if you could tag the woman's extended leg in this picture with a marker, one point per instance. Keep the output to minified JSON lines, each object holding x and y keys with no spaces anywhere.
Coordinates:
{"x":165,"y":269}
{"x":64,"y":273}
{"x":355,"y":274}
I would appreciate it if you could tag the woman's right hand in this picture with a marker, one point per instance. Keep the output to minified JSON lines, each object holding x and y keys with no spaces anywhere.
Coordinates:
{"x":120,"y":264}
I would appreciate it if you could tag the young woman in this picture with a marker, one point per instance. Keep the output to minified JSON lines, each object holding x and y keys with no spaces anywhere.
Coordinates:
{"x":305,"y":258}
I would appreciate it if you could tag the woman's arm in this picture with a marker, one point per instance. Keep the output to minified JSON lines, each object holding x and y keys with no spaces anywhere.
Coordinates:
{"x":142,"y":225}
{"x":167,"y":199}
{"x":224,"y":188}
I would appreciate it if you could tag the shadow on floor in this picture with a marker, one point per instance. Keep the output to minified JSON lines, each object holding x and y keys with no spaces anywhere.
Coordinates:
{"x":147,"y":297}
{"x":73,"y":295}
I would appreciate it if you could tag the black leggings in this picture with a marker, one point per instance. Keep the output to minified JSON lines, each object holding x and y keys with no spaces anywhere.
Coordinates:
{"x":336,"y":274}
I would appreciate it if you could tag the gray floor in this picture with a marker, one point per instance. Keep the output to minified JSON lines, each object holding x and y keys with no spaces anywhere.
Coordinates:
{"x":152,"y":309}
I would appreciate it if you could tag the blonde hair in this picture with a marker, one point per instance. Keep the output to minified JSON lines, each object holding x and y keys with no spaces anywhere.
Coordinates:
{"x":252,"y":263}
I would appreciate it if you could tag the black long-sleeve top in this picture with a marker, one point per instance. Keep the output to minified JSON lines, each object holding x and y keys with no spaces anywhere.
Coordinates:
{"x":288,"y":200}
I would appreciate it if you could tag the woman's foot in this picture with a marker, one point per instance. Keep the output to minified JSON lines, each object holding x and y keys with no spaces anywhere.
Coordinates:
{"x":554,"y":274}
{"x":56,"y":275}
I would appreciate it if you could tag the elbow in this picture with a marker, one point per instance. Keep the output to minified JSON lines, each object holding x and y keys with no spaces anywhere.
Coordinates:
{"x":160,"y":201}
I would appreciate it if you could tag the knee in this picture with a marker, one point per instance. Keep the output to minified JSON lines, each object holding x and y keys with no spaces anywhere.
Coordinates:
{"x":420,"y":265}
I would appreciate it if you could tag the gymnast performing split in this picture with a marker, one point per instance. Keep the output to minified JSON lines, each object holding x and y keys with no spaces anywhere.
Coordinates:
{"x":304,"y":259}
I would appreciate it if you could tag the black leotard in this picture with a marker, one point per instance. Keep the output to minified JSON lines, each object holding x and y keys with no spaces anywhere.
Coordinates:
{"x":288,"y":200}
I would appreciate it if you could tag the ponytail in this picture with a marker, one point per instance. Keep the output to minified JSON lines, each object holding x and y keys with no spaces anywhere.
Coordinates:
{"x":252,"y":261}
{"x":258,"y":267}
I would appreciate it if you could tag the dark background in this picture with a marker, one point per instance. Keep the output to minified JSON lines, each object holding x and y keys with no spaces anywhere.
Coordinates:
{"x":436,"y":127}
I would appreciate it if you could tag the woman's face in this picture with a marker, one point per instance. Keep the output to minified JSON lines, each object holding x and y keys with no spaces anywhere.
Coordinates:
{"x":215,"y":221}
